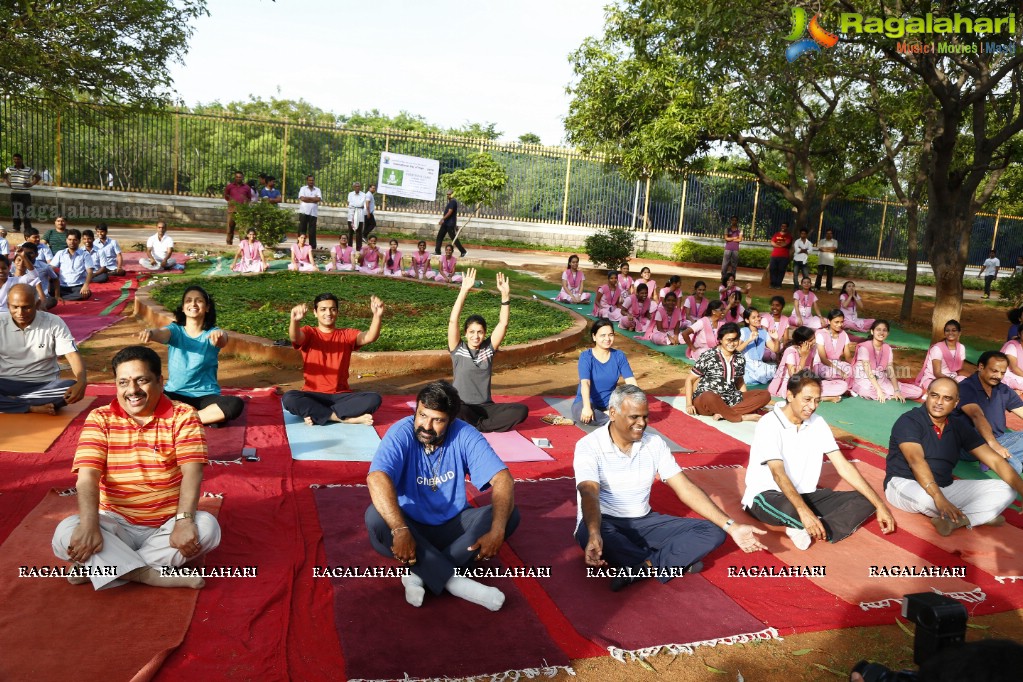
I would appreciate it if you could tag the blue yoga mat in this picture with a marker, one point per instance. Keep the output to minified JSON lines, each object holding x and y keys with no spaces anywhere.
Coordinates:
{"x":331,"y":442}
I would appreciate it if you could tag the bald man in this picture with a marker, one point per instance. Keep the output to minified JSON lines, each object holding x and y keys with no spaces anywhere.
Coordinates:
{"x":30,"y":342}
{"x":924,"y":449}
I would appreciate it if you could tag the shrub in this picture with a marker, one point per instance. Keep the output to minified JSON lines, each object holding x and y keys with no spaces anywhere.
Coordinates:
{"x":272,"y":223}
{"x":609,"y":247}
{"x":1011,"y":289}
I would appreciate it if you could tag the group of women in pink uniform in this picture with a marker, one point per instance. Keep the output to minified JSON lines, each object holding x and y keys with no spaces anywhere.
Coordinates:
{"x":370,"y":260}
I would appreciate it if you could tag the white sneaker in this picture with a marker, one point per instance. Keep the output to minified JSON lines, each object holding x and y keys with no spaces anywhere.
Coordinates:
{"x":800,"y":538}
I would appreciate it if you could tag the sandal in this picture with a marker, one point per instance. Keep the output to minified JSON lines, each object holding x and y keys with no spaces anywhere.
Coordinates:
{"x":556,"y":420}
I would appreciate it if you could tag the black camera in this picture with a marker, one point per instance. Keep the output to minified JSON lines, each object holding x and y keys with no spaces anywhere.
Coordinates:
{"x":940,"y":623}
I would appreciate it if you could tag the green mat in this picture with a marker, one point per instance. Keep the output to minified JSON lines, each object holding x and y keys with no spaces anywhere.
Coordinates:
{"x":221,"y":266}
{"x":868,"y":420}
{"x":584,"y":309}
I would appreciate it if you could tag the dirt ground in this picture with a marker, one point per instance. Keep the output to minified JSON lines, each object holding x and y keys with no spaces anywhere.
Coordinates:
{"x":811,"y":657}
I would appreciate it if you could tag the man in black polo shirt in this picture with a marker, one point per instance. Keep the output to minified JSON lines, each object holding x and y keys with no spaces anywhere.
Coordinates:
{"x":984,"y":400}
{"x":449,"y":226}
{"x":923,"y":451}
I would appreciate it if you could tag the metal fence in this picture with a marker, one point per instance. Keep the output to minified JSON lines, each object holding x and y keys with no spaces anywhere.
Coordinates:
{"x":181,"y":153}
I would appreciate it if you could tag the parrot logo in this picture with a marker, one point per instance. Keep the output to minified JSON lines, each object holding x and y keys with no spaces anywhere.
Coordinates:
{"x":818,"y":36}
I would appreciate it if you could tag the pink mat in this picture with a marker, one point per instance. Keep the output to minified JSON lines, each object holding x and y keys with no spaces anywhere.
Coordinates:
{"x":512,"y":446}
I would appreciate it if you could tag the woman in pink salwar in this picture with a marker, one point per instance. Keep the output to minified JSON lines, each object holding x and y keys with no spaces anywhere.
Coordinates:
{"x":734,"y":312}
{"x":874,"y":375}
{"x":849,"y":303}
{"x":695,"y":306}
{"x":421,"y":264}
{"x":777,"y":324}
{"x":801,"y":354}
{"x":805,"y":312}
{"x":371,"y":260}
{"x":944,"y":359}
{"x":625,"y":281}
{"x":674,"y":286}
{"x":572,"y":280}
{"x":448,"y":263}
{"x":341,"y":256}
{"x":637,"y":310}
{"x":607,"y":302}
{"x":1014,"y":377}
{"x":651,"y":285}
{"x":728,"y":285}
{"x":392,"y":260}
{"x":703,"y":335}
{"x":834,"y":350}
{"x":250,"y":256}
{"x":302,"y":255}
{"x":667,"y":322}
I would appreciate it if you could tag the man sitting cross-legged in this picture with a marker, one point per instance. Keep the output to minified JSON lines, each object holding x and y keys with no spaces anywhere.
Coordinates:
{"x":326,"y":355}
{"x":615,"y":467}
{"x":139,"y":462}
{"x":420,"y":514}
{"x":30,"y":341}
{"x":925,"y":447}
{"x":785,"y":462}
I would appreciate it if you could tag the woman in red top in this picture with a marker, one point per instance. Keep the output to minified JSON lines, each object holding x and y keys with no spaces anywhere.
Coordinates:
{"x":780,"y":254}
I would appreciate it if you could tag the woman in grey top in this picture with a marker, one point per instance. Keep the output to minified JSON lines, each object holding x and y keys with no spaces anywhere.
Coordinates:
{"x":472,"y":362}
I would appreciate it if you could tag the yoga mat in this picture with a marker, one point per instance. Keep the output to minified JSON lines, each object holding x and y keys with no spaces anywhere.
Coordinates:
{"x":646,"y":615}
{"x":564,"y":408}
{"x":743,"y":431}
{"x":868,"y":419}
{"x":227,"y":442}
{"x":332,"y":442}
{"x":846,"y":563}
{"x":384,"y":638}
{"x":53,"y":630}
{"x":512,"y":446}
{"x":131,"y":263}
{"x":36,"y":432}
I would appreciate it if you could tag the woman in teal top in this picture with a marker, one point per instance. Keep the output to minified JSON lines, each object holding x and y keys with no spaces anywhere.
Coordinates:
{"x":193,"y":346}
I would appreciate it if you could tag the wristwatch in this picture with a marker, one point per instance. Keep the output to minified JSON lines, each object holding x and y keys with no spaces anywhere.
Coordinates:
{"x":184,"y":515}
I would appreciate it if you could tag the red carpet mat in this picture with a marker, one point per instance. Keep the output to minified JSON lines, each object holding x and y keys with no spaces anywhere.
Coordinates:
{"x":102,"y":309}
{"x":446,"y":637}
{"x":640,"y":619}
{"x":107,"y":635}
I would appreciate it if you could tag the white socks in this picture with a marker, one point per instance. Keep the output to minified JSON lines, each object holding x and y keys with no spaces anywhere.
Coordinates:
{"x":477,"y":593}
{"x":799,"y":537}
{"x":414,"y":589}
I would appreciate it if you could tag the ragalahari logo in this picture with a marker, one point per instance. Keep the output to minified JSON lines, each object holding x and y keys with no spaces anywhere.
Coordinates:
{"x":818,"y":36}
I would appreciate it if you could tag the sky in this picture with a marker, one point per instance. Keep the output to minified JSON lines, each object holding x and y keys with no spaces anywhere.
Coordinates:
{"x":449,"y":61}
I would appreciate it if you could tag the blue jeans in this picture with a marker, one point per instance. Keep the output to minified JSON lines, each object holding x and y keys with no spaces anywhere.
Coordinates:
{"x":1011,"y":441}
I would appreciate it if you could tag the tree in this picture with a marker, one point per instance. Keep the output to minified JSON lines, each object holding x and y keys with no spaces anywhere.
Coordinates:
{"x":529,"y":138}
{"x":99,"y":51}
{"x":478,"y":184}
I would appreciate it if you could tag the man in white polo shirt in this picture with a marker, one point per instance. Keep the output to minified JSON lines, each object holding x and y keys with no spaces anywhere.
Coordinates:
{"x":74,"y":269}
{"x":160,"y":247}
{"x":309,"y":198}
{"x":30,"y":342}
{"x":785,"y":463}
{"x":356,"y":215}
{"x":615,"y":468}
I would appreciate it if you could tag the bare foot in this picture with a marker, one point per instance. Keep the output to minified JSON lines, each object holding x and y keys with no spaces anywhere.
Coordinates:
{"x":309,"y":421}
{"x":832,"y":399}
{"x":361,"y":419}
{"x":751,"y":417}
{"x":48,"y":408}
{"x":717,"y":417}
{"x":150,"y":575}
{"x":77,"y":579}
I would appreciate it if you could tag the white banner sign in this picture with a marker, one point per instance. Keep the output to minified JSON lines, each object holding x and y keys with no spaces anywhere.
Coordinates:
{"x":408,"y":176}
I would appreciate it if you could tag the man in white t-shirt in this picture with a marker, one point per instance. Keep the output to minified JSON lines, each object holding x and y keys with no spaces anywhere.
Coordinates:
{"x":826,"y":250}
{"x":309,"y":198}
{"x":356,"y":215}
{"x":785,"y":462}
{"x":801,"y":250}
{"x":160,"y":247}
{"x":622,"y":537}
{"x":371,"y":211}
{"x":989,"y":271}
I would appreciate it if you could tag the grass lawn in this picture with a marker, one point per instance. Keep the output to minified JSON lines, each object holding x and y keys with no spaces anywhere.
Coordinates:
{"x":416,"y":315}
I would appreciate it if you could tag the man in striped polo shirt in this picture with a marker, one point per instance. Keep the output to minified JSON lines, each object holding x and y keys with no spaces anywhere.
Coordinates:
{"x":623,"y":538}
{"x":139,"y":461}
{"x":20,"y":178}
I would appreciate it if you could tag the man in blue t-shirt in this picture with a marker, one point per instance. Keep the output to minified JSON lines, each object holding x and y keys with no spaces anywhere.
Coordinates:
{"x":270,"y":194}
{"x":984,"y":400}
{"x":420,"y":514}
{"x":924,"y":449}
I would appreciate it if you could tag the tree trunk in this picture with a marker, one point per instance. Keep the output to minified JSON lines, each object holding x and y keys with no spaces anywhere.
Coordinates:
{"x":948,"y":225}
{"x":912,"y":224}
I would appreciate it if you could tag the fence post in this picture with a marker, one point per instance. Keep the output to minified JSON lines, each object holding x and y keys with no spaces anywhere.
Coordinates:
{"x":284,"y":165}
{"x":564,"y":201}
{"x":994,"y":237}
{"x":756,"y":204}
{"x":820,"y":225}
{"x":646,"y":205}
{"x":57,"y":141}
{"x":682,"y":208}
{"x":880,"y":234}
{"x":387,"y":148}
{"x":177,"y":148}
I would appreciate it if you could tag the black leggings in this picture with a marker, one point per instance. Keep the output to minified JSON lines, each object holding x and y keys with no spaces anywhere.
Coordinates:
{"x":230,"y":405}
{"x":494,"y":417}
